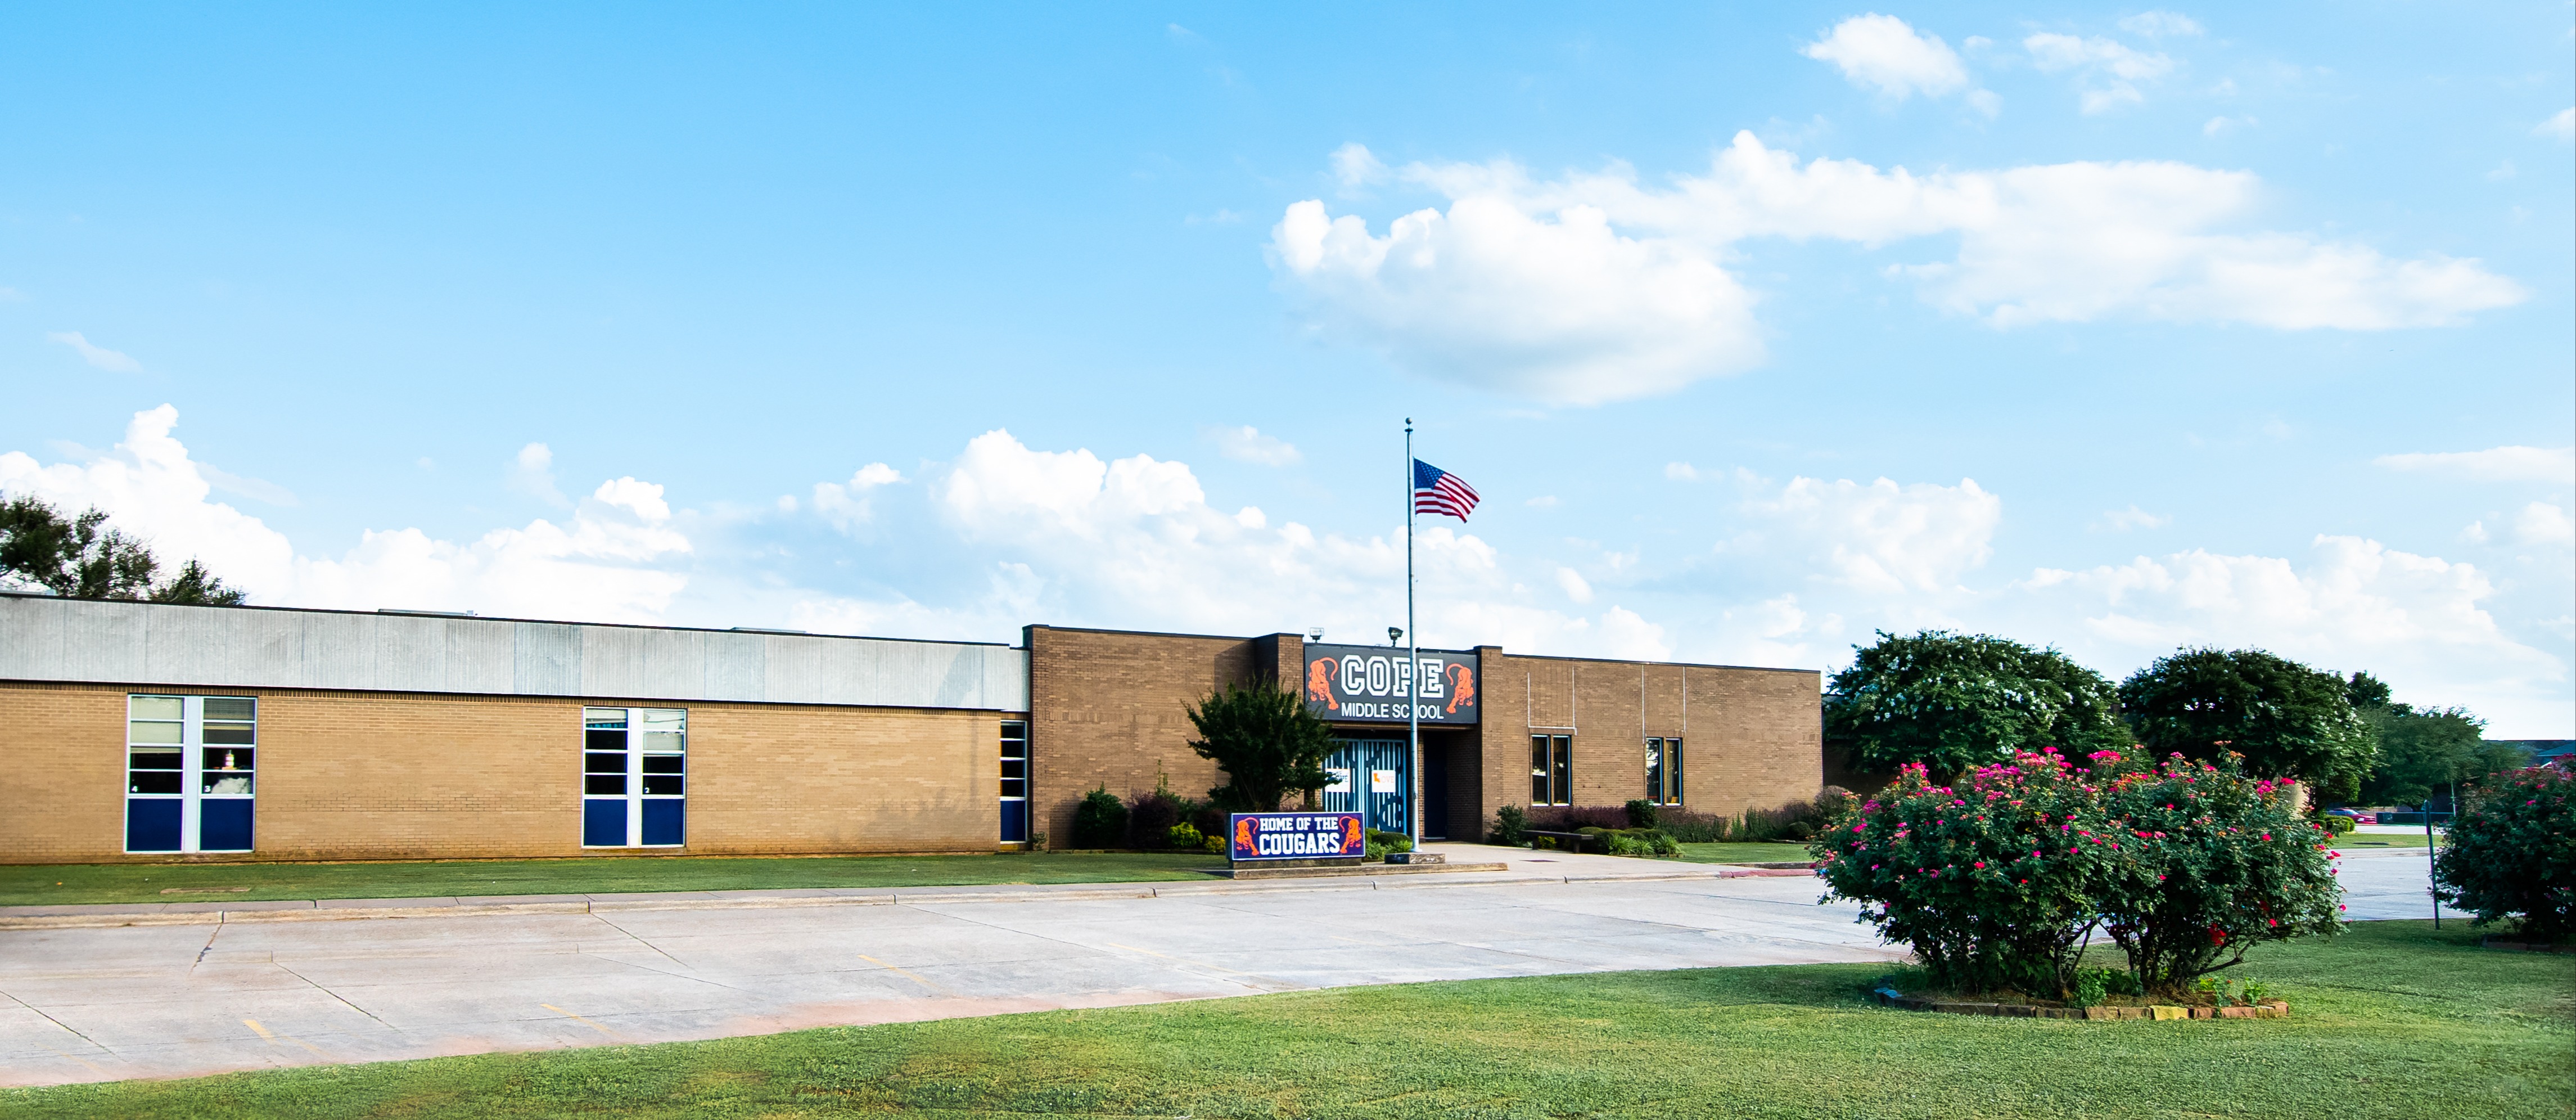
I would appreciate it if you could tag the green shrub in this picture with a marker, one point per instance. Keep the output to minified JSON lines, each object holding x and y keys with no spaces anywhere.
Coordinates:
{"x":1184,"y":836}
{"x":1511,"y":827}
{"x":1380,"y":841}
{"x":1213,"y":845}
{"x":1641,"y":813}
{"x":1100,"y":820}
{"x":2093,"y":985}
{"x":1692,"y":828}
{"x":2202,"y":862}
{"x":2511,"y":853}
{"x":2255,"y":992}
{"x":2334,"y":825}
{"x":1985,"y":880}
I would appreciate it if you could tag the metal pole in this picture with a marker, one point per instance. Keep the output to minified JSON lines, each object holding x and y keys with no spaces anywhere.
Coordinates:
{"x":2429,"y":865}
{"x":1413,"y":662}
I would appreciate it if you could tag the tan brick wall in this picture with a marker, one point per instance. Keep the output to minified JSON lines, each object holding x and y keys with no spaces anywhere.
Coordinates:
{"x":1752,"y":738}
{"x":1111,"y":709}
{"x":404,"y":776}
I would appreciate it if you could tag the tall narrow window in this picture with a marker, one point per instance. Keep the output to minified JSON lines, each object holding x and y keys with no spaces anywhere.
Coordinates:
{"x":1664,"y":770}
{"x":189,"y":770}
{"x":1551,"y":769}
{"x":634,"y":777}
{"x":1015,"y":781}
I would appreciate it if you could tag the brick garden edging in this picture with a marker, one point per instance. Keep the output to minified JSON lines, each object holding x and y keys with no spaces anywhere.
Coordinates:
{"x":2271,"y":1009}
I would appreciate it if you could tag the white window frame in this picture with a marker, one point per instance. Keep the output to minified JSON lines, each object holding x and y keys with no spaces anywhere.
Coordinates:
{"x":192,"y":772}
{"x":635,"y":755}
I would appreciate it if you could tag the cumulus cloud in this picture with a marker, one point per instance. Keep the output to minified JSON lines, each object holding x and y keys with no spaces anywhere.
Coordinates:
{"x":2357,"y":604}
{"x":1355,"y":168}
{"x":2107,"y":71}
{"x":1246,"y":444}
{"x":1595,"y":287}
{"x":600,"y":565}
{"x":1880,"y":538}
{"x":2543,"y":523}
{"x":846,"y":504}
{"x":1574,"y":585}
{"x":2495,"y":464}
{"x":1885,"y":54}
{"x":2123,"y":520}
{"x":2561,"y":125}
{"x":99,"y":357}
{"x":532,"y":472}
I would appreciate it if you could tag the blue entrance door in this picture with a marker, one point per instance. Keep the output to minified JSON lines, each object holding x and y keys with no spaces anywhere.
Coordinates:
{"x":1378,"y":770}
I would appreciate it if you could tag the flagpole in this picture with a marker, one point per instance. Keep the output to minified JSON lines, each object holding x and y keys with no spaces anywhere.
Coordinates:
{"x":1413,"y":661}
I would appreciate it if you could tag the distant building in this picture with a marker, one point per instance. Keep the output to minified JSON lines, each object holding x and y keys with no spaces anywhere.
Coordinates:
{"x":2546,"y":752}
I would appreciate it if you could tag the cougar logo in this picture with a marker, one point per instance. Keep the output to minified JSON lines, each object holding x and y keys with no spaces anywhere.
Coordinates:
{"x":1462,"y":687}
{"x":1319,"y":683}
{"x":1351,"y":834}
{"x":1243,"y":836}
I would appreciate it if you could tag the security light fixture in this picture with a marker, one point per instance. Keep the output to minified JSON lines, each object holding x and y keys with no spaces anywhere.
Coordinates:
{"x":1395,"y":635}
{"x":1314,"y":633}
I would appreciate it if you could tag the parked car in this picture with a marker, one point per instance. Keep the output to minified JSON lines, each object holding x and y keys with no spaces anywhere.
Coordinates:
{"x":2357,"y":816}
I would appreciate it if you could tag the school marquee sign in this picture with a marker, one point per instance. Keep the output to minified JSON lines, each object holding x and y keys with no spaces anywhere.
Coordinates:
{"x":1369,"y":684}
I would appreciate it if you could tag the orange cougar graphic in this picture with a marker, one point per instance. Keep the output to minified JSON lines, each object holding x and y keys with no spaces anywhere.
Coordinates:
{"x":1462,"y":687}
{"x":1350,"y":833}
{"x":1243,"y":836}
{"x":1319,"y":683}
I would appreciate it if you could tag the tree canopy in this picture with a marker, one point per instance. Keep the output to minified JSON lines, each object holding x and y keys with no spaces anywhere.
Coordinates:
{"x":1954,"y":701}
{"x":1267,"y":742}
{"x":85,"y":558}
{"x":2287,"y":720}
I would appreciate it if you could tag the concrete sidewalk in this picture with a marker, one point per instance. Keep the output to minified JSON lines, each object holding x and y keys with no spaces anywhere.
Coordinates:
{"x":165,"y":1000}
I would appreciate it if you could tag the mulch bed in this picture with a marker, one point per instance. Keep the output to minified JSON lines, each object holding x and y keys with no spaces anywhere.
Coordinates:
{"x":2271,"y":1009}
{"x":2494,"y":942}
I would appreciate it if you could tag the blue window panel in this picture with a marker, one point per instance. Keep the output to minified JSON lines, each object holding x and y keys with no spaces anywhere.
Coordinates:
{"x":223,"y":825}
{"x":603,"y":823}
{"x":664,"y":821}
{"x":1015,"y":822}
{"x":152,"y":825}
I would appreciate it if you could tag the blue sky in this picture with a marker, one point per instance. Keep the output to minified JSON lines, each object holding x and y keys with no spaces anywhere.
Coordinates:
{"x":2104,"y":327}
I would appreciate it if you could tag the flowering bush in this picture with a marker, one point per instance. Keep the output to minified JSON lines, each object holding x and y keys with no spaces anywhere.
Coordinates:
{"x":2211,"y":863}
{"x":1990,"y":881}
{"x":2512,"y":852}
{"x":1999,"y":881}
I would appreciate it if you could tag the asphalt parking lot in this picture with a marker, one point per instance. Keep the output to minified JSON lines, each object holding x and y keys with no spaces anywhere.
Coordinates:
{"x":166,"y":1000}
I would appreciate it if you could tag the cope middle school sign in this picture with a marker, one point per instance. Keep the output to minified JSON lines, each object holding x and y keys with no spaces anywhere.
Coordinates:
{"x":1368,"y":684}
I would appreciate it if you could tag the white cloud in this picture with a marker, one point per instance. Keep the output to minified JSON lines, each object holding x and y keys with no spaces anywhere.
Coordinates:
{"x":2123,"y":520}
{"x":1681,"y":472}
{"x":2495,"y":464}
{"x":532,"y":472}
{"x":1247,"y":444}
{"x":1574,"y":585}
{"x":1543,"y":501}
{"x":2107,"y":72}
{"x":2562,"y":125}
{"x":846,"y":504}
{"x":1883,"y":53}
{"x":1880,"y":538}
{"x":2413,"y":620}
{"x":2543,"y":523}
{"x":99,"y":357}
{"x":1595,"y":288}
{"x":2220,"y":126}
{"x":601,"y":565}
{"x":1552,"y":306}
{"x":2159,"y":25}
{"x":1355,"y":169}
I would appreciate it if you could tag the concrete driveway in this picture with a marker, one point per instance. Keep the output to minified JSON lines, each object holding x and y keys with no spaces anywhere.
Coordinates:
{"x":276,"y":989}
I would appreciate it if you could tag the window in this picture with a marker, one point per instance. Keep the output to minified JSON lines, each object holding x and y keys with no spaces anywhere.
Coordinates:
{"x":634,"y":777}
{"x":1663,"y":770}
{"x":1551,"y":769}
{"x":1015,"y":781}
{"x":189,"y":772}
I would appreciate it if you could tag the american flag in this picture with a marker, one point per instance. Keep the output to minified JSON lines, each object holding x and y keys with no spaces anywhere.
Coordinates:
{"x":1438,"y":491}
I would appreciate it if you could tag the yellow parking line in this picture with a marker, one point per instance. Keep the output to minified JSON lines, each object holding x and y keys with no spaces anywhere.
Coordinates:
{"x":263,"y":1031}
{"x":579,"y":1019}
{"x":906,"y":975}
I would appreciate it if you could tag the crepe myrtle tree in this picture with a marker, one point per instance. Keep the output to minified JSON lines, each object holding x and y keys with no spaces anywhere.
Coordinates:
{"x":1266,"y":741}
{"x":2283,"y":719}
{"x":1953,"y":702}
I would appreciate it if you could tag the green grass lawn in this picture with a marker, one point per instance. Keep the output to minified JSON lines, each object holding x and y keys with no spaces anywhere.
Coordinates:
{"x":2391,"y":1020}
{"x":2351,"y":840}
{"x":1745,"y":853}
{"x":21,"y":886}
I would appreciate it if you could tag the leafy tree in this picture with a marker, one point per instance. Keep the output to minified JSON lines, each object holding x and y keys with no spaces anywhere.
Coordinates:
{"x":1954,"y":701}
{"x":2366,"y":692}
{"x":2512,"y":853}
{"x":83,"y":558}
{"x":2424,"y":750}
{"x":2287,"y":720}
{"x":1267,"y":742}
